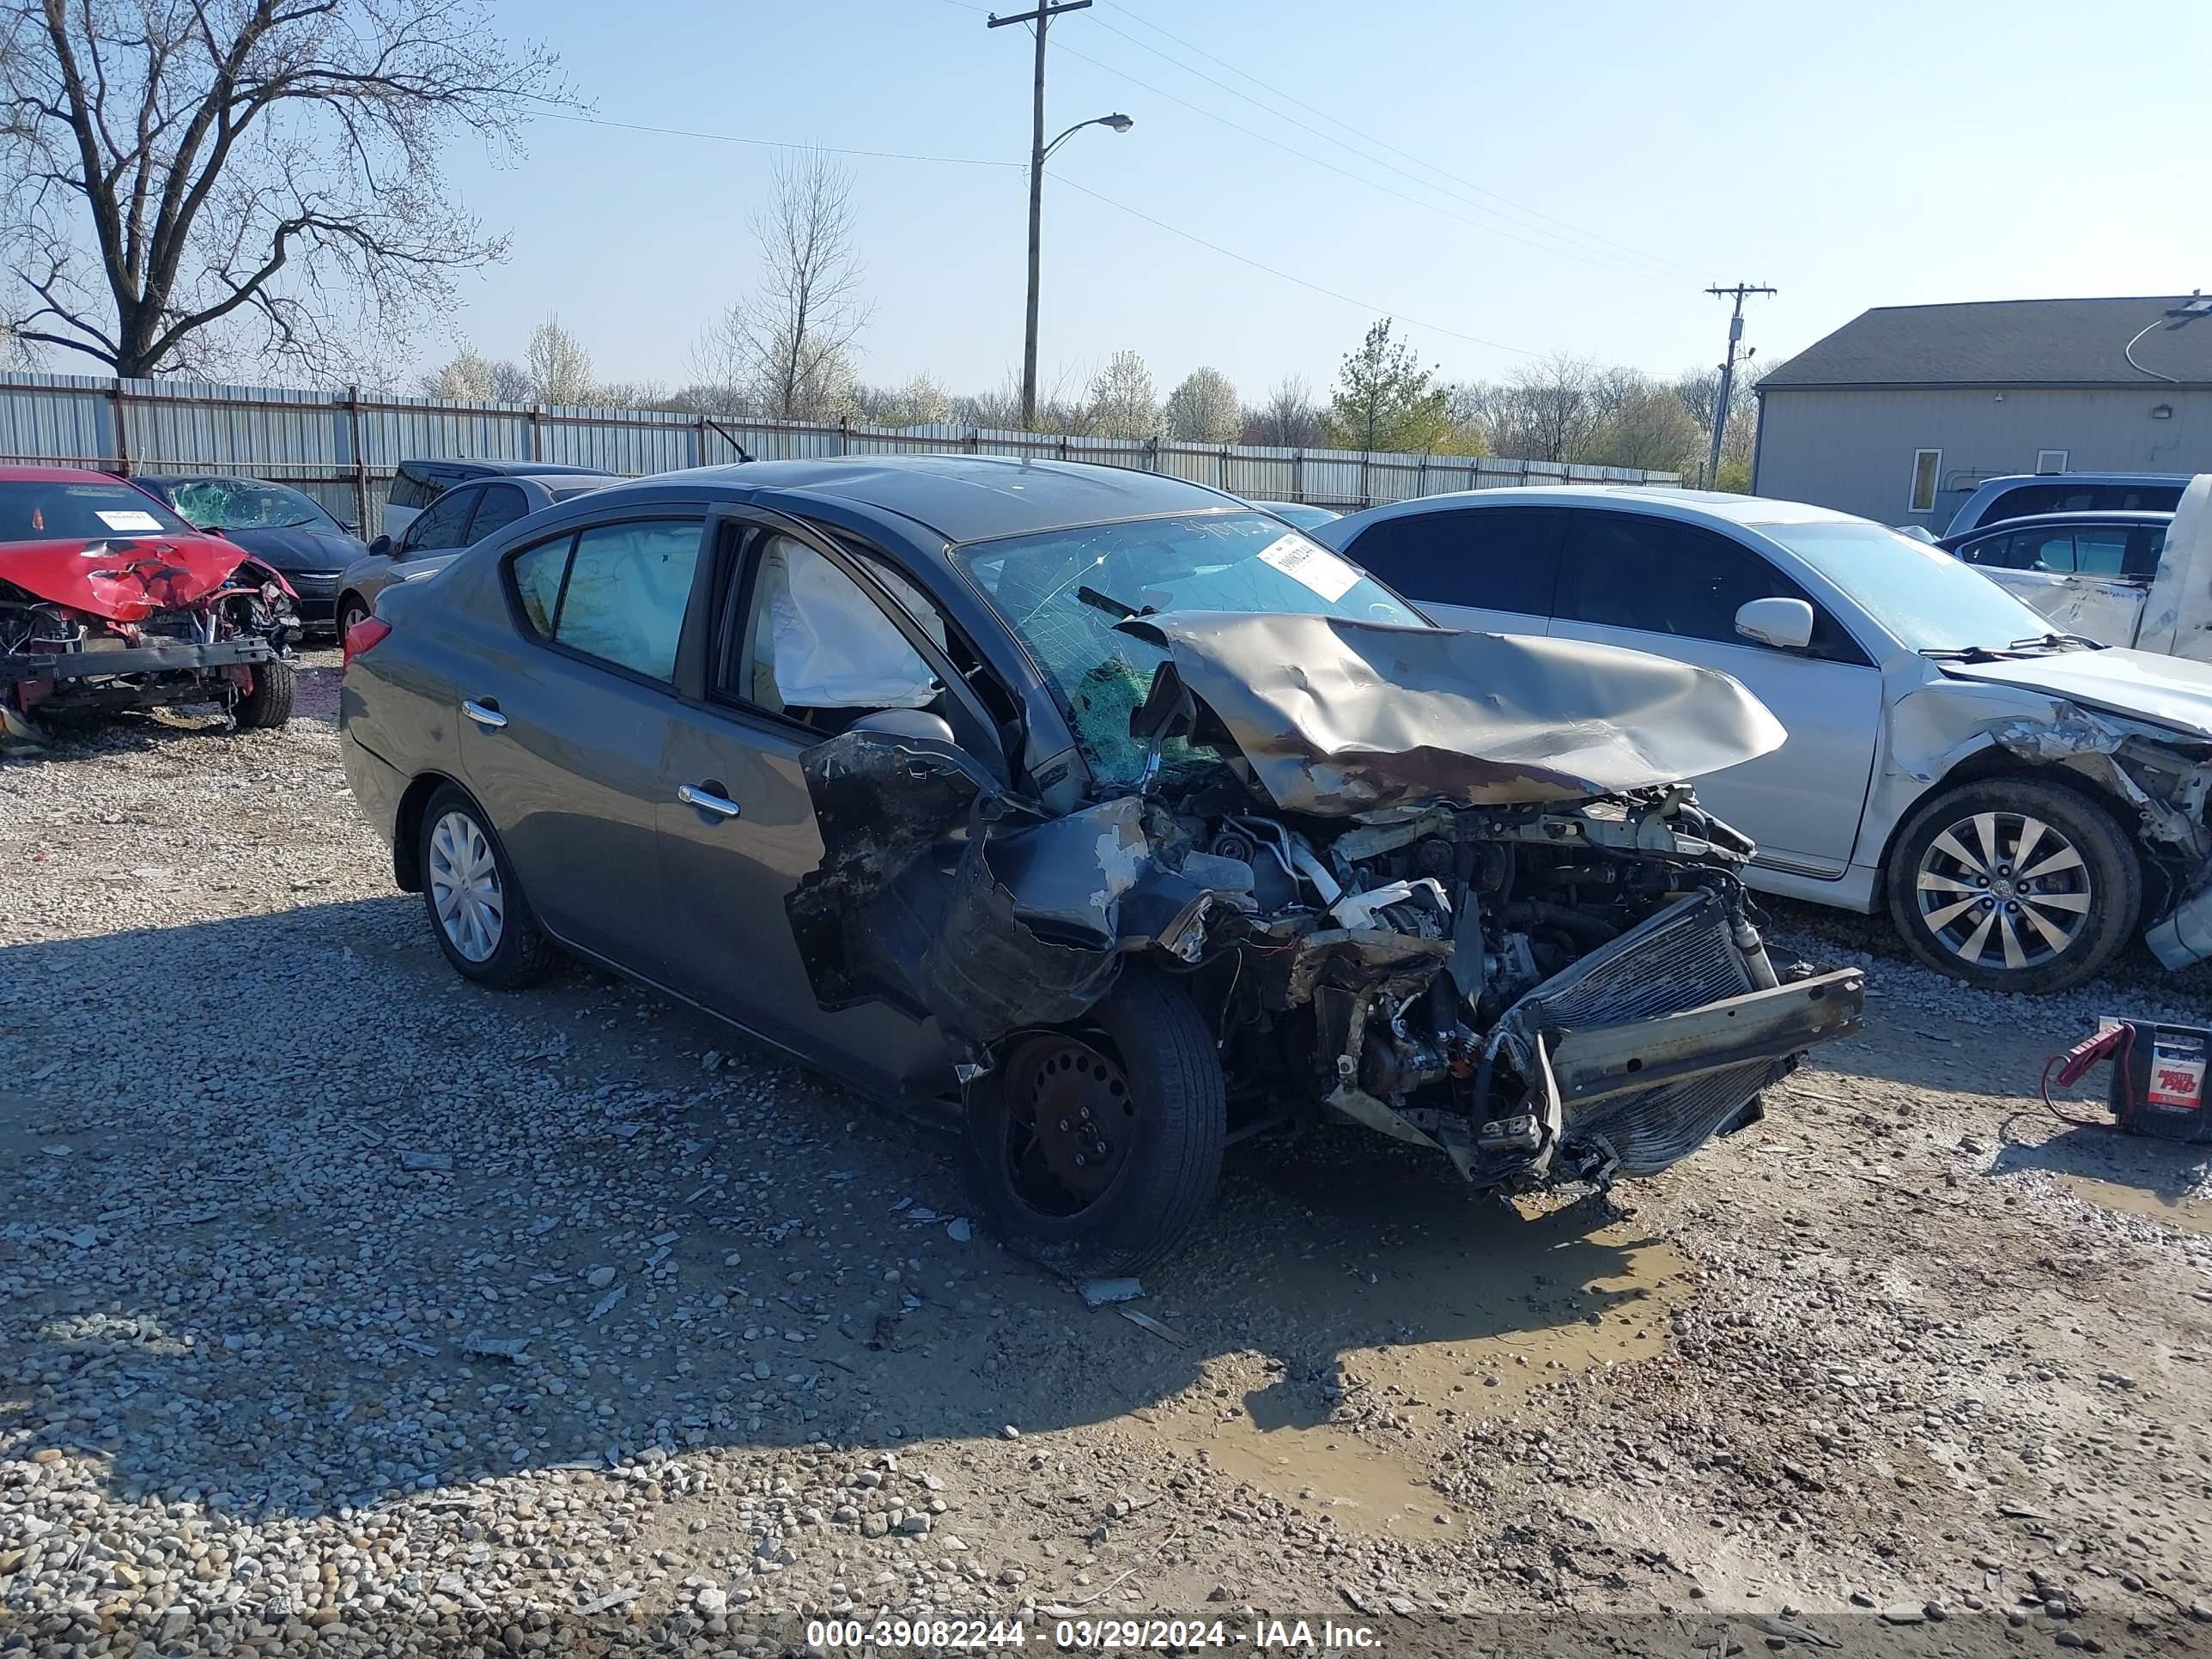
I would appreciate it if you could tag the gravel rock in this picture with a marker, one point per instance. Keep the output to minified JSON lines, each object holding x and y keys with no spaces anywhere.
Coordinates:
{"x":240,"y":1402}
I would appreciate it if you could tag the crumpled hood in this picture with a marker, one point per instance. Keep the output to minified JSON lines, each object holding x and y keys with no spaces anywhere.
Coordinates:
{"x":126,"y":579}
{"x":300,"y":549}
{"x":2135,"y":685}
{"x":1340,"y":717}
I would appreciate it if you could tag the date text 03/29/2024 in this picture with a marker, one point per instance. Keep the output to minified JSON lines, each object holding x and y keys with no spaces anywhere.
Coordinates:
{"x":1089,"y":1635}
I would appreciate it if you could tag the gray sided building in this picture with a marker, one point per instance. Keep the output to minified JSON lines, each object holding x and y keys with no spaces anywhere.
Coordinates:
{"x":1897,"y":414}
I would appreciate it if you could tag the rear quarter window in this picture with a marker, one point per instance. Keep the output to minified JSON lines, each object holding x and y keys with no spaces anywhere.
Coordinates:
{"x":412,"y":487}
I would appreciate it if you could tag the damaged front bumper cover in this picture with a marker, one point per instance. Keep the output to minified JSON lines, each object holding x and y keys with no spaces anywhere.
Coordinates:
{"x":171,"y":657}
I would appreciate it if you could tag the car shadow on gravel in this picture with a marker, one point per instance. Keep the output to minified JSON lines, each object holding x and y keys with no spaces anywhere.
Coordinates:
{"x":296,"y":1222}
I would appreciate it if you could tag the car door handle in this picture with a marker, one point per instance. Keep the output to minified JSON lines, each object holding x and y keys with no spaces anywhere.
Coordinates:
{"x":485,"y":713}
{"x":707,"y":801}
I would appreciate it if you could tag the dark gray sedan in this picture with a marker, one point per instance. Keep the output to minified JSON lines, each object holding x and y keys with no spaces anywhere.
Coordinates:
{"x":1102,"y":814}
{"x":286,"y":529}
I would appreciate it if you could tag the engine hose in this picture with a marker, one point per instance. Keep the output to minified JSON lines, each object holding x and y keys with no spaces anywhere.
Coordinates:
{"x":1587,"y":930}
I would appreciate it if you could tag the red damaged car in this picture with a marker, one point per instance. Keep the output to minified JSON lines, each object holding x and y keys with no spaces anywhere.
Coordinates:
{"x":109,"y":600}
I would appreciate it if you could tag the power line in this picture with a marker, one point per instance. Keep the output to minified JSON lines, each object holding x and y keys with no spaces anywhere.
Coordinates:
{"x":1629,"y":260}
{"x":776,"y":144}
{"x":1368,"y":306}
{"x":1384,"y":143}
{"x":1610,"y":263}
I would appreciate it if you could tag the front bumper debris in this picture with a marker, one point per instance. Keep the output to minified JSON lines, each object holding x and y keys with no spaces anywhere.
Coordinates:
{"x":181,"y":656}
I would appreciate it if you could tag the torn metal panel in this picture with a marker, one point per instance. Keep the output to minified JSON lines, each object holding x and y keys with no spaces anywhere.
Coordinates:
{"x":2133,"y":685}
{"x":882,"y":803}
{"x":1596,"y":1062}
{"x":988,"y":972}
{"x":1338,"y":717}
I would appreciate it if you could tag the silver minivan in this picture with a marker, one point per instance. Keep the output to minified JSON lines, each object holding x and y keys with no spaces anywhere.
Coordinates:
{"x":2022,"y":802}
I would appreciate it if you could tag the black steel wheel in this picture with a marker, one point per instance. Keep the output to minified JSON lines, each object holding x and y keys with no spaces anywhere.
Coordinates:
{"x":1095,"y":1149}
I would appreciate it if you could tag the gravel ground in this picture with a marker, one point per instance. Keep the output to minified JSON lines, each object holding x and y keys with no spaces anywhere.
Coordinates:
{"x":346,"y":1307}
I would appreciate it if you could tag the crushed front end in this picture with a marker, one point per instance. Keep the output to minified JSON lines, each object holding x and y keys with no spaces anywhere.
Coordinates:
{"x":127,"y":624}
{"x":1478,"y":915}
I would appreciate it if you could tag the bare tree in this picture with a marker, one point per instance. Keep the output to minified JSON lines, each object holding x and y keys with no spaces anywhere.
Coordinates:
{"x":1122,"y":403}
{"x":1288,"y":419}
{"x":1547,"y":410}
{"x":1203,"y":408}
{"x":788,"y":345}
{"x":196,"y":183}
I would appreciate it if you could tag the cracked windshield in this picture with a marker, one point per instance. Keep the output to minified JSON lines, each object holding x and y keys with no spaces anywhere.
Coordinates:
{"x":1063,"y":593}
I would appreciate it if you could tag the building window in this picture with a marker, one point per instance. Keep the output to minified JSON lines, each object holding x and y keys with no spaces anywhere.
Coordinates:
{"x":1927,"y":464}
{"x":2050,"y":460}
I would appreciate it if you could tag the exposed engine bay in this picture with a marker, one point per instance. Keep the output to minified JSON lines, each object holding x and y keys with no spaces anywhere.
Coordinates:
{"x":126,"y":624}
{"x":1543,"y":966}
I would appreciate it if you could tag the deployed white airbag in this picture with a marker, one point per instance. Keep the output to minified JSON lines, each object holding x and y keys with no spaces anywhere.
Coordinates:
{"x":833,"y":648}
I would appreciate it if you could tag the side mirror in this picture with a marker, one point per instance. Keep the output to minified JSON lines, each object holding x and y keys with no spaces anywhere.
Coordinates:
{"x":381,"y":548}
{"x":907,"y":723}
{"x":1786,"y":625}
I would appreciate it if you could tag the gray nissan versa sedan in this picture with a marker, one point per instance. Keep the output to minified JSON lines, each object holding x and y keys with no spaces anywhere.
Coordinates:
{"x":1096,"y":810}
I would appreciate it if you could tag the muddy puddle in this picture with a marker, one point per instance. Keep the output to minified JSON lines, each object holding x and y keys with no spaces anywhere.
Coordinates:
{"x":1431,"y":1313}
{"x":2191,"y":1211}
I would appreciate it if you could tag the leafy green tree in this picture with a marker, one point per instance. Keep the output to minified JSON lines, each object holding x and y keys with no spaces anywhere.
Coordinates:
{"x":1384,"y":399}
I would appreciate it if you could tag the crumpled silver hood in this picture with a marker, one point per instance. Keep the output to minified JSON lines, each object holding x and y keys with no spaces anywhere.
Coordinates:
{"x":2135,"y":685}
{"x":1342,"y":717}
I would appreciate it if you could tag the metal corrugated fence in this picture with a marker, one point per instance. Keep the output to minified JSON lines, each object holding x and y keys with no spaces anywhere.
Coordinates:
{"x":343,"y":448}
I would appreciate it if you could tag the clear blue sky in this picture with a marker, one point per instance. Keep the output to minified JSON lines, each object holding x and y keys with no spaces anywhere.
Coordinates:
{"x":1850,"y":156}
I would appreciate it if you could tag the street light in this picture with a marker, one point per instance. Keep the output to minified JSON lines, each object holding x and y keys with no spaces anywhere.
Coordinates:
{"x":1119,"y":123}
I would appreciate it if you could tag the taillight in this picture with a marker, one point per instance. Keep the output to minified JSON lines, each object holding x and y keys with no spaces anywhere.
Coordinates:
{"x":364,"y":635}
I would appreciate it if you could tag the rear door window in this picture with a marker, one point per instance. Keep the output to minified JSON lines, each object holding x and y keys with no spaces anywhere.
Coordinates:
{"x":412,"y":486}
{"x":1661,"y":576}
{"x":1485,"y":558}
{"x":2100,"y":550}
{"x":499,"y":505}
{"x":619,"y":593}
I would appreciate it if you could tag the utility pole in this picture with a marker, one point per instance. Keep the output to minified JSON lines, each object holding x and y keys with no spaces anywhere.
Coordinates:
{"x":1728,"y":374}
{"x":1045,"y":12}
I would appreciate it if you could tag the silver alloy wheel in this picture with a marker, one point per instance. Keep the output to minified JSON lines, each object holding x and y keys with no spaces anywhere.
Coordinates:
{"x":2003,"y":890}
{"x":464,"y":886}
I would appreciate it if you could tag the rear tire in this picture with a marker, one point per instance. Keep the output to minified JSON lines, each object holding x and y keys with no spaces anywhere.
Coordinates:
{"x":269,"y":704}
{"x":1145,"y":1068}
{"x":476,"y":909}
{"x":2079,"y":893}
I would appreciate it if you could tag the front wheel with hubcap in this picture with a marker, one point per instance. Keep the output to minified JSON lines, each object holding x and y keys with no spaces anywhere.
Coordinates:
{"x":2014,"y":885}
{"x":476,"y":908}
{"x":1095,"y":1148}
{"x":350,"y":612}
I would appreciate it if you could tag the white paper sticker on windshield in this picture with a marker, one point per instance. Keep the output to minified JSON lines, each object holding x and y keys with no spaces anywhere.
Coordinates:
{"x":128,"y":519}
{"x":1310,"y":566}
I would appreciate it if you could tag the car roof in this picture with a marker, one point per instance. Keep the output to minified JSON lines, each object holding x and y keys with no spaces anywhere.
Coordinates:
{"x":1706,"y":504}
{"x":210,"y":478}
{"x":962,"y":498}
{"x":2117,"y":515}
{"x":56,"y":474}
{"x":2008,"y":479}
{"x":481,"y":468}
